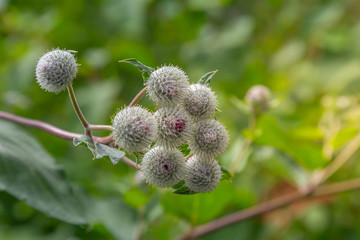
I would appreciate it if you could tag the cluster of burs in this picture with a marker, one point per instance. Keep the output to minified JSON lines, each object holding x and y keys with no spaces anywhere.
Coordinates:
{"x":185,"y":115}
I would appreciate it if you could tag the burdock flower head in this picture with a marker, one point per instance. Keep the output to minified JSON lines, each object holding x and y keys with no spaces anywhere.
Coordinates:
{"x":174,"y":126}
{"x":200,"y":102}
{"x":163,"y":167}
{"x":202,"y":175}
{"x":258,"y":97}
{"x":134,"y":129}
{"x":56,"y":70}
{"x":208,"y":139}
{"x":168,"y":85}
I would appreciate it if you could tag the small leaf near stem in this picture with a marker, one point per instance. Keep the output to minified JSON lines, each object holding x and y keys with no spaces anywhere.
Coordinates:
{"x":143,"y":68}
{"x":78,"y":111}
{"x":205,"y":80}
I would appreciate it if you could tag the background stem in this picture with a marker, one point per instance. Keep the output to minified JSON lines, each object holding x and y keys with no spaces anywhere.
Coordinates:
{"x":271,"y":205}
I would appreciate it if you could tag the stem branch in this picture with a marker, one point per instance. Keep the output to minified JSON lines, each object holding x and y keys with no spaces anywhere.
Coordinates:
{"x":348,"y":151}
{"x":138,"y":96}
{"x":271,"y":205}
{"x":78,"y":110}
{"x":59,"y":132}
{"x":100,"y":127}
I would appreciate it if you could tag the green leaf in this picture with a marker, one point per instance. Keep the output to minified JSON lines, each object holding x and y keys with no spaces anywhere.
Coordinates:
{"x":30,"y":174}
{"x":184,"y":190}
{"x":200,"y":208}
{"x":181,"y":189}
{"x":120,"y":219}
{"x":226,"y":175}
{"x":143,"y":68}
{"x":85,"y":140}
{"x":205,"y":80}
{"x":306,"y":153}
{"x":99,"y":150}
{"x":179,"y":185}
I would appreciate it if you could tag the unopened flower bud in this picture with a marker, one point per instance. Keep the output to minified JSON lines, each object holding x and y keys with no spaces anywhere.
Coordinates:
{"x":168,"y":85}
{"x":56,"y":70}
{"x":202,"y":175}
{"x":201,"y":102}
{"x":259,"y":98}
{"x":163,"y":167}
{"x":174,"y":126}
{"x":208,"y":139}
{"x":135,"y":129}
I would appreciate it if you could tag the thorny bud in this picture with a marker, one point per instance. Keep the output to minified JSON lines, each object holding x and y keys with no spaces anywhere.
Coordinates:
{"x":163,"y":167}
{"x":259,"y":98}
{"x":201,"y":102}
{"x":208,"y":139}
{"x":202,"y":175}
{"x":134,"y":129}
{"x":56,"y":70}
{"x":174,"y":126}
{"x":168,"y":85}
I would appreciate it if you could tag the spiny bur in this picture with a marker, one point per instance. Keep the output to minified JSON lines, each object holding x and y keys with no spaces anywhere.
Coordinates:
{"x":174,"y":126}
{"x":258,"y":97}
{"x":202,"y":175}
{"x":200,"y":102}
{"x":208,"y":139}
{"x":134,"y":129}
{"x":168,"y":85}
{"x":163,"y":167}
{"x":56,"y":70}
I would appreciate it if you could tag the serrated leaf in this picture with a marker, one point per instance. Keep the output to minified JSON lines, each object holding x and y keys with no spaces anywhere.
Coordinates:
{"x":205,"y":80}
{"x":114,"y":154}
{"x":30,"y":174}
{"x":143,"y":68}
{"x":226,"y":175}
{"x":99,"y":150}
{"x":85,"y":140}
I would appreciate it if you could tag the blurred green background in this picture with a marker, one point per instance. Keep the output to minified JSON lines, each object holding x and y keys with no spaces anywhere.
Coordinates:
{"x":306,"y":51}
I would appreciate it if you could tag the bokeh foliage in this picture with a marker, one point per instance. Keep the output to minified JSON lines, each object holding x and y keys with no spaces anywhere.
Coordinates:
{"x":306,"y":51}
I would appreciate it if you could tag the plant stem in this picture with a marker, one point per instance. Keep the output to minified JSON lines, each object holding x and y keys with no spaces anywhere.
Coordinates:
{"x":100,"y":127}
{"x":240,"y":156}
{"x":130,"y":162}
{"x":40,"y":125}
{"x":333,"y":188}
{"x":78,"y":111}
{"x":59,"y":132}
{"x":138,"y":96}
{"x":270,"y":205}
{"x":189,"y":156}
{"x":244,"y":147}
{"x":242,"y":215}
{"x":312,"y":188}
{"x":348,"y":151}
